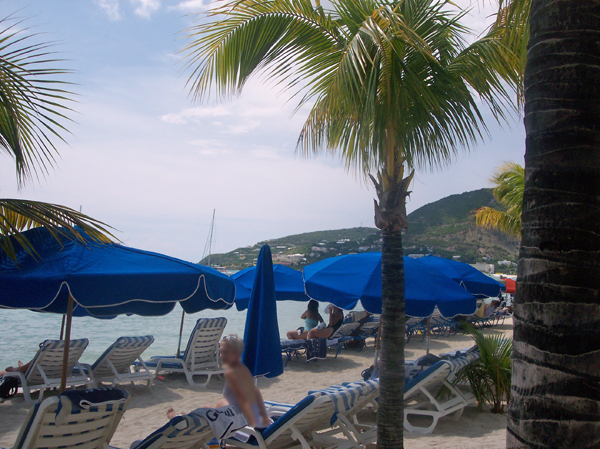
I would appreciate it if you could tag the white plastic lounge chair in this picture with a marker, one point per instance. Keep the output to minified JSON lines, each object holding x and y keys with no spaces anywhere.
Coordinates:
{"x":45,"y":369}
{"x":201,"y":356}
{"x":115,"y":364}
{"x":182,"y":432}
{"x":293,"y":427}
{"x":348,"y":400}
{"x":420,"y":396}
{"x":75,"y":419}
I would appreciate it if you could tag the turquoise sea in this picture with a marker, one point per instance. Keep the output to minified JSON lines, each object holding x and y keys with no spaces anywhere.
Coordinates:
{"x":21,"y":331}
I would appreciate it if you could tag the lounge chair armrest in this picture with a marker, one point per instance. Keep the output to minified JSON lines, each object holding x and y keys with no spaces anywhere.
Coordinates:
{"x":159,"y":362}
{"x":85,"y":368}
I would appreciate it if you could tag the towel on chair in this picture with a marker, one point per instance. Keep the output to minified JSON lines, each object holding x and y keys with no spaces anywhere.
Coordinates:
{"x":316,"y":349}
{"x":223,"y":421}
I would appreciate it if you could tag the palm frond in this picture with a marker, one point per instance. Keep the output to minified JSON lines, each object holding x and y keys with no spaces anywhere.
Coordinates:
{"x":490,"y":376}
{"x":18,"y":215}
{"x":511,"y":26}
{"x":32,"y":101}
{"x":295,"y":40}
{"x":489,"y":218}
{"x":509,"y":181}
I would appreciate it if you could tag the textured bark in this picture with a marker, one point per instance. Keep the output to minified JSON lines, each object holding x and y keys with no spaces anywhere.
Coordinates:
{"x":555,"y":399}
{"x":390,"y":415}
{"x":390,"y":217}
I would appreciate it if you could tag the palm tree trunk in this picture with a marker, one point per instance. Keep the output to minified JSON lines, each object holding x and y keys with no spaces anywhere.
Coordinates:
{"x":555,"y":398}
{"x":390,"y":217}
{"x":390,"y":415}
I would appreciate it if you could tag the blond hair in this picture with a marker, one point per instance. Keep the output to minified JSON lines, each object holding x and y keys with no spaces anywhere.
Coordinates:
{"x":234,"y":342}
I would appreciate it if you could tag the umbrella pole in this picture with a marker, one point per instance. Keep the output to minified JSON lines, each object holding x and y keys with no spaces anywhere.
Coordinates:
{"x":180,"y":334}
{"x":427,"y":335}
{"x":62,"y":327}
{"x":63,"y":379}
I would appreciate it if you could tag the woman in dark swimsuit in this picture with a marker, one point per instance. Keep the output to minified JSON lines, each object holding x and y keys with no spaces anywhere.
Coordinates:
{"x":336,"y":318}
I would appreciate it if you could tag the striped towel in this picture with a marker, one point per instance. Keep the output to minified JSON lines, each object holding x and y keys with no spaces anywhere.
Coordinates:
{"x":344,"y":397}
{"x":460,"y":362}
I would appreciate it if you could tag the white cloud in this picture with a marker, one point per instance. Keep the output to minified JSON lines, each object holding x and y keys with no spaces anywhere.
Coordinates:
{"x":191,"y":6}
{"x":207,"y":143}
{"x":194,"y":115}
{"x":111,"y":8}
{"x":145,"y":8}
{"x":244,"y":127}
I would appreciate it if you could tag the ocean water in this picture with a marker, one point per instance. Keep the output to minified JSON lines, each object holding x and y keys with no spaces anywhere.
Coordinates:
{"x":21,"y":331}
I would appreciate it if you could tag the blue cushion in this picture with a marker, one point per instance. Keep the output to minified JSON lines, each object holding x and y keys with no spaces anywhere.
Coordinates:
{"x":422,"y":375}
{"x":287,"y":416}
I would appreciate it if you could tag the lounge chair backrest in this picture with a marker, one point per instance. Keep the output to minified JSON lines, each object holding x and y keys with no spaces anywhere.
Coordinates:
{"x":351,"y":397}
{"x":460,"y":362}
{"x":82,"y":419}
{"x":371,"y":326}
{"x":432,"y":376}
{"x":414,"y":320}
{"x":49,"y":359}
{"x":122,"y":353}
{"x":306,"y":416}
{"x":345,"y":330}
{"x":355,"y":317}
{"x":203,"y":346}
{"x":182,"y":432}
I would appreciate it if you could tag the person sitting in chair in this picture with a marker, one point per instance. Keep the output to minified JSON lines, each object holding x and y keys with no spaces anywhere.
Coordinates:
{"x":311,"y":317}
{"x":336,"y":318}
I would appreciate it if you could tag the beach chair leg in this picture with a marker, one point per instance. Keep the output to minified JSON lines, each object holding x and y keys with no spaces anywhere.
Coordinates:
{"x":456,"y":416}
{"x":40,"y":394}
{"x":422,"y":430}
{"x":27,"y":394}
{"x":296,"y":435}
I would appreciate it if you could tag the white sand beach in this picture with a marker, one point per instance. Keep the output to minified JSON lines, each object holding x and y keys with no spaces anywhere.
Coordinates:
{"x":146,"y":412}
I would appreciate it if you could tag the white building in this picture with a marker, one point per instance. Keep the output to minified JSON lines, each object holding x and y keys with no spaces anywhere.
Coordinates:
{"x":487,"y":268}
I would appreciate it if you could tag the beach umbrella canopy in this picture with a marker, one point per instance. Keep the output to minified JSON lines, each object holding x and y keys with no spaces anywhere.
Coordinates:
{"x":476,"y":283}
{"x":106,"y":280}
{"x":511,"y":286}
{"x":262,"y":353}
{"x":289,"y":285}
{"x":346,"y":280}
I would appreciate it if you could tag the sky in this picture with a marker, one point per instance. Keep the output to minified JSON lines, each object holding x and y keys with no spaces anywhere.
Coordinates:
{"x":147,"y":160}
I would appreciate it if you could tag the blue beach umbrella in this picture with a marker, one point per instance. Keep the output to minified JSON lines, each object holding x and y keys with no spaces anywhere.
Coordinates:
{"x":476,"y":283}
{"x":289,"y":285}
{"x":346,"y":280}
{"x":262,"y":354}
{"x":106,"y":280}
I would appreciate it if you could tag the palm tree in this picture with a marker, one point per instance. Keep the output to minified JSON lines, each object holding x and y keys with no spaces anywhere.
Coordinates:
{"x":32,"y":106}
{"x":391,"y":85}
{"x":555,"y":400}
{"x":509,"y":179}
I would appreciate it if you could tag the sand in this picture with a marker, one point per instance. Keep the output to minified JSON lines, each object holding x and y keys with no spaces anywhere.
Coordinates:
{"x":146,"y":412}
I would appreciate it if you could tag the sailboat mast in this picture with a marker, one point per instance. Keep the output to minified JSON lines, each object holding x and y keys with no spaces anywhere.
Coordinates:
{"x":208,"y":247}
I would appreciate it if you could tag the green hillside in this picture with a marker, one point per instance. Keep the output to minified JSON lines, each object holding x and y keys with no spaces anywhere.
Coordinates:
{"x":444,"y":228}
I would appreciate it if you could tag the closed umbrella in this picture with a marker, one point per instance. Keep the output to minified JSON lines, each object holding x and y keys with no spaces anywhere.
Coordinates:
{"x":289,"y":285}
{"x":476,"y":283}
{"x":262,"y":353}
{"x":105,"y":280}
